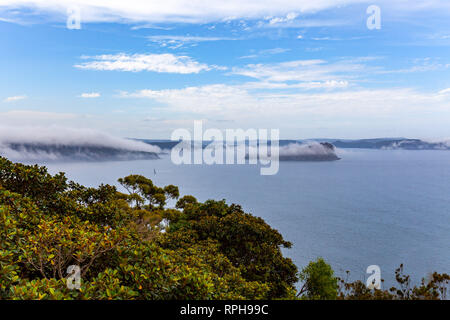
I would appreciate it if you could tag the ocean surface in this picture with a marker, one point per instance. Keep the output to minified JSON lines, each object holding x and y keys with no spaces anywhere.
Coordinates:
{"x":372,"y":207}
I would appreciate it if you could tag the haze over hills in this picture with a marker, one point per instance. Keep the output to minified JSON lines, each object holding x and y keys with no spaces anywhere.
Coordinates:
{"x":53,"y":144}
{"x":376,"y":143}
{"x":58,"y":152}
{"x":58,"y":143}
{"x":392,"y":144}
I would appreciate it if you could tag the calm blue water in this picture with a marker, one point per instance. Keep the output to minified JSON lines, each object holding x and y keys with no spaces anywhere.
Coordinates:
{"x":372,"y":207}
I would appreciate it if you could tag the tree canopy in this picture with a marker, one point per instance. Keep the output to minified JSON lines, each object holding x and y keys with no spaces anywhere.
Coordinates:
{"x":132,"y":246}
{"x":129,"y":245}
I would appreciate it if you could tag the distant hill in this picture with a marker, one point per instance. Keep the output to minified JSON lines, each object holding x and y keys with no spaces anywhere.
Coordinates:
{"x":376,"y":143}
{"x":148,"y":149}
{"x":401,"y":144}
{"x":289,"y":150}
{"x":49,"y":152}
{"x":311,"y":151}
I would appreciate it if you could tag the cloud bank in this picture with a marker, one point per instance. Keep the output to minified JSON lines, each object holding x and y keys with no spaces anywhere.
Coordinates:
{"x":54,"y":143}
{"x":203,"y":11}
{"x":309,"y":148}
{"x":306,"y":151}
{"x":227,"y":101}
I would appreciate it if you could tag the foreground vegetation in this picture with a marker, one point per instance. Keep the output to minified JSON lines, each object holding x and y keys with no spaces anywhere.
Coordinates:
{"x":130,"y":246}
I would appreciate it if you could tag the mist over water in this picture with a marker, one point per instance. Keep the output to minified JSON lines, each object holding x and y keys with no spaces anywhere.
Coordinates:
{"x":382,"y":207}
{"x":55,"y":143}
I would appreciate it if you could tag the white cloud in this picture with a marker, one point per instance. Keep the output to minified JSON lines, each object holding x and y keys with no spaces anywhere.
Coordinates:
{"x":288,"y":86}
{"x":445,"y":91}
{"x":14,"y":98}
{"x":167,"y":62}
{"x":305,"y":23}
{"x":24,"y":115}
{"x":419,"y":65}
{"x":302,"y":70}
{"x":174,"y":41}
{"x":119,"y":124}
{"x":39,"y":118}
{"x":171,"y":10}
{"x":140,"y":11}
{"x":57,"y":135}
{"x":289,"y":17}
{"x":90,"y":95}
{"x":227,"y":101}
{"x":150,"y":26}
{"x":60,"y":136}
{"x":329,"y":84}
{"x":199,"y":98}
{"x":16,"y":21}
{"x":266,"y":52}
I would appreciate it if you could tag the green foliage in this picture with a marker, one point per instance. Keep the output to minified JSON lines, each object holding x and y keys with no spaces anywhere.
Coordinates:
{"x":130,"y":246}
{"x":48,"y":223}
{"x":248,"y":242}
{"x":319,"y":281}
{"x":142,"y":189}
{"x":32,"y":181}
{"x":433,"y":288}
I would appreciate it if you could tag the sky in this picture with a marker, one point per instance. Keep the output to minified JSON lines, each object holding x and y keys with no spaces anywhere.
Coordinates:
{"x":312,"y":69}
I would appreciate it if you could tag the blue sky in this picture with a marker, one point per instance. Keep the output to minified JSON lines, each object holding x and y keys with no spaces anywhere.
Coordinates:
{"x":309,"y":68}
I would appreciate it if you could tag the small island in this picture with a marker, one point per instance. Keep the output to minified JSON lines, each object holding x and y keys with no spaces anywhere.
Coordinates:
{"x":323,"y":151}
